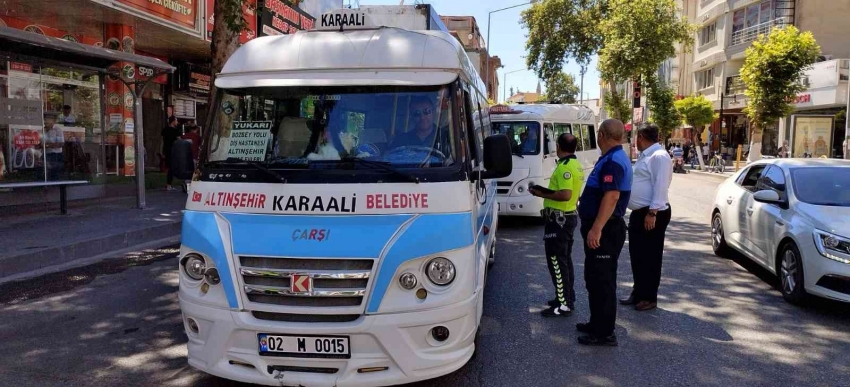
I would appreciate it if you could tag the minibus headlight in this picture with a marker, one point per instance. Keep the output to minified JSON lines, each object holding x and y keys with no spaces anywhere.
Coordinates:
{"x":194,"y":266}
{"x":440,"y":271}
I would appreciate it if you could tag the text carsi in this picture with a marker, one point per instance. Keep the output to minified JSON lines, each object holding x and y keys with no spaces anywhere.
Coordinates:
{"x":396,"y":200}
{"x":235,"y":200}
{"x":314,"y":203}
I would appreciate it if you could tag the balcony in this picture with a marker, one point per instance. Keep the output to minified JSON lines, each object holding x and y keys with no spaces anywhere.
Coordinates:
{"x":735,"y":86}
{"x":749,"y":34}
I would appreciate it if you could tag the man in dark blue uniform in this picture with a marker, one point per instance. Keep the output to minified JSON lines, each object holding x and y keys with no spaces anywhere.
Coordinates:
{"x":602,"y":207}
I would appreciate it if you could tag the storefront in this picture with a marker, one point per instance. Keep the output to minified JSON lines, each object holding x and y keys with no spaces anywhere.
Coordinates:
{"x":817,"y":126}
{"x":55,"y":121}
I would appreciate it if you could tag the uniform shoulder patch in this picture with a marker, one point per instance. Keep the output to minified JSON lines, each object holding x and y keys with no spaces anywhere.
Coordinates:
{"x":567,"y":175}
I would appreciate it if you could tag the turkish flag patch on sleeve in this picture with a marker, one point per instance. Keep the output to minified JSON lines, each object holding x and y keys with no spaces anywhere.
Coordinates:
{"x":608,"y":179}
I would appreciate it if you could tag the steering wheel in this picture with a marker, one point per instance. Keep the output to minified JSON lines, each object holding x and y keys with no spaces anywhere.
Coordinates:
{"x":411,"y":148}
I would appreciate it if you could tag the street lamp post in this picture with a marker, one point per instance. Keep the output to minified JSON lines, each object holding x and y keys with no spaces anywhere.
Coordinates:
{"x":489,"y":14}
{"x":505,"y":83}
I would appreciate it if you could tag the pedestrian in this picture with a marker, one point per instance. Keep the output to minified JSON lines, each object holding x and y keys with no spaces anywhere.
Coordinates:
{"x":603,"y":205}
{"x":194,"y":136}
{"x":783,"y":150}
{"x":169,"y":135}
{"x":649,"y":219}
{"x":559,"y":212}
{"x":846,"y":147}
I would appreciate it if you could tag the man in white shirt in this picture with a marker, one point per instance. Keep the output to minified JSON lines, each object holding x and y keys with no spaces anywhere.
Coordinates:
{"x":649,"y":218}
{"x":54,"y":142}
{"x":66,"y":118}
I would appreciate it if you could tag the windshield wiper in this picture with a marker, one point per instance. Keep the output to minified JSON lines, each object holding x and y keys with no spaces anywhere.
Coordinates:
{"x":381,"y":165}
{"x":256,"y":165}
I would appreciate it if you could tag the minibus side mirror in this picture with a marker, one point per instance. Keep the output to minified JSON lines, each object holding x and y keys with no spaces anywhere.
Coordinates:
{"x":498,"y":158}
{"x":182,"y":163}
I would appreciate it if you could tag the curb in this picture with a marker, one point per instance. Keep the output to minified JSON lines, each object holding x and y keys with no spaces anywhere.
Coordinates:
{"x":714,"y":175}
{"x":37,"y":260}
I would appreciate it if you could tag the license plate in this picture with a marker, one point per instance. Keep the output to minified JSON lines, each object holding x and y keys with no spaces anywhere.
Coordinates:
{"x":304,"y":346}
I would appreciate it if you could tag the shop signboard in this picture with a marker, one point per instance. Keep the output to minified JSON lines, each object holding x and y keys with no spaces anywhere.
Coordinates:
{"x":812,"y":136}
{"x":181,"y":12}
{"x":280,"y":17}
{"x":249,"y":13}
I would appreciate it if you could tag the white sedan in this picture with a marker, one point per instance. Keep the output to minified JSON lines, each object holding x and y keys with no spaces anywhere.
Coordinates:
{"x":791,"y":216}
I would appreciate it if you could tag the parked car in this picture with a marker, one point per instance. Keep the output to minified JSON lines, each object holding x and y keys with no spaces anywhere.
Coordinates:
{"x":791,"y":216}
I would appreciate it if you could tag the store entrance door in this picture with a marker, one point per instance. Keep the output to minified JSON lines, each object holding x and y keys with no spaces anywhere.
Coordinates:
{"x":153,"y":113}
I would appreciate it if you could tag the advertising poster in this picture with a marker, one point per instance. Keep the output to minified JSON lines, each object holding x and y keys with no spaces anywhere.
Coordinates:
{"x":129,"y":156}
{"x":812,"y":136}
{"x":280,"y":17}
{"x":249,"y":140}
{"x":27,"y":147}
{"x":182,"y":12}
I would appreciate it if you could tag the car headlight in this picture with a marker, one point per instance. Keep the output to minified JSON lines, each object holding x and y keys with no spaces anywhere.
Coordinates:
{"x":194,"y":266}
{"x":833,"y":246}
{"x":440,"y":271}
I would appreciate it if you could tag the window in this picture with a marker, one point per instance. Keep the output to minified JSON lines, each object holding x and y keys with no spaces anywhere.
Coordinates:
{"x":704,"y":79}
{"x":774,"y":179}
{"x":548,"y":134}
{"x":574,"y":129}
{"x":708,"y":34}
{"x":822,"y":186}
{"x":585,"y":138}
{"x":751,"y":16}
{"x":524,"y":136}
{"x":750,"y":178}
{"x":591,"y":134}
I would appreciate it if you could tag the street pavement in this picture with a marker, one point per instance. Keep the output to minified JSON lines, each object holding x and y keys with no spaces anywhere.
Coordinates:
{"x":719,"y":323}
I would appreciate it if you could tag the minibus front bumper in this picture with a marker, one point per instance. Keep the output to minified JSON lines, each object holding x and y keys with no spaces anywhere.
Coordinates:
{"x":386,"y":349}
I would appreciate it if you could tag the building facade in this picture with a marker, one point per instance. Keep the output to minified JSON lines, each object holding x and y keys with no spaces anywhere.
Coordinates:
{"x":466,"y":30}
{"x":78,"y":122}
{"x":728,"y":27}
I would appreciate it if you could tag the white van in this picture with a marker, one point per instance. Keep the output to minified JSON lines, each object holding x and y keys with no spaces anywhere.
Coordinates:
{"x":340,"y":224}
{"x":532,"y":130}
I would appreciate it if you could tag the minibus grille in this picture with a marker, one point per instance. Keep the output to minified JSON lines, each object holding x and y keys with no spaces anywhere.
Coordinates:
{"x":335,"y":282}
{"x":503,"y":187}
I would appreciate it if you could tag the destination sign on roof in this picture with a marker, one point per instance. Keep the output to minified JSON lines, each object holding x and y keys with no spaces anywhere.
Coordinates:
{"x":501,"y":109}
{"x":344,"y":19}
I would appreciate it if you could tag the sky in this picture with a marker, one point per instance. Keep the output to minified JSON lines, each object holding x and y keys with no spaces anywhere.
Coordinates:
{"x":507,"y":41}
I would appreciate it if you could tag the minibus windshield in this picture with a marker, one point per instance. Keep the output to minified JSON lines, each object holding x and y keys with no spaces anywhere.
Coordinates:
{"x":326,"y":128}
{"x":524,"y":136}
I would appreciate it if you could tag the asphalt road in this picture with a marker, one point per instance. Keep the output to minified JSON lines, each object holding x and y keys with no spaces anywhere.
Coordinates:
{"x":719,"y":322}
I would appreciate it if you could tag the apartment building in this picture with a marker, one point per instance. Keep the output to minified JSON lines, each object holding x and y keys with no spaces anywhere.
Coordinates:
{"x":465,"y":29}
{"x":728,"y":27}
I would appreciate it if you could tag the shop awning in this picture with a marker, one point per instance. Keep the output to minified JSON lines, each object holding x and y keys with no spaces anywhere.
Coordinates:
{"x":28,"y":44}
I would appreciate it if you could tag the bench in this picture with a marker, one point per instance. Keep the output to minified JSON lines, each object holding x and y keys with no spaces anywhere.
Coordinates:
{"x":62,"y":184}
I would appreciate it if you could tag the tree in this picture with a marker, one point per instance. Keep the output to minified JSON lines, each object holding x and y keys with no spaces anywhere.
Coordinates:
{"x":561,"y":89}
{"x":559,"y":30}
{"x":617,"y":105}
{"x":229,"y":24}
{"x":639,"y":35}
{"x":697,"y":111}
{"x":661,"y":99}
{"x":772,"y":71}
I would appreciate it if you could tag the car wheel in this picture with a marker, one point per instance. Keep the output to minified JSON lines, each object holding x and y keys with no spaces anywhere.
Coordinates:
{"x":790,"y":270}
{"x":718,"y":240}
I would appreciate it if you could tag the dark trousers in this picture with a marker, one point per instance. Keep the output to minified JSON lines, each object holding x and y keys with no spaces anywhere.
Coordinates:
{"x":558,"y":242}
{"x":169,"y":175}
{"x":55,"y":165}
{"x":600,"y":274}
{"x":645,"y":251}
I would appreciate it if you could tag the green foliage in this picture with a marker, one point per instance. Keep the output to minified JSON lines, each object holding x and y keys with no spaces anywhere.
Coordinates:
{"x":696,"y":111}
{"x":617,"y":105}
{"x":661,"y":99}
{"x":561,"y":88}
{"x":772,"y":70}
{"x":562,"y":29}
{"x":232,"y":15}
{"x":639,"y":35}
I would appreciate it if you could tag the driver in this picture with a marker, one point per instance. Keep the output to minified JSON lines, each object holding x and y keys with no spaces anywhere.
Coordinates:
{"x":424,"y":130}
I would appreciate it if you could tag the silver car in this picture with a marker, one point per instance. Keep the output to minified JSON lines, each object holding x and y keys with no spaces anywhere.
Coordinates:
{"x":791,"y":216}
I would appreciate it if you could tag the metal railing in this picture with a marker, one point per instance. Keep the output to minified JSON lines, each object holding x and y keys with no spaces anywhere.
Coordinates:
{"x":749,"y":34}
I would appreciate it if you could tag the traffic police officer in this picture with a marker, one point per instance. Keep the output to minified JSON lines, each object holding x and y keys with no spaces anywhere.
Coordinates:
{"x":559,"y":211}
{"x":603,"y":205}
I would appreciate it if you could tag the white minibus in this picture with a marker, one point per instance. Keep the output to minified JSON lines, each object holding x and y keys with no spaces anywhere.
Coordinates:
{"x":532,"y":130}
{"x":339,"y":226}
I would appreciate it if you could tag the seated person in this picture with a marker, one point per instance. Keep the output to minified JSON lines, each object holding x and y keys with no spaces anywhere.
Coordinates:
{"x":424,"y":130}
{"x":529,"y":142}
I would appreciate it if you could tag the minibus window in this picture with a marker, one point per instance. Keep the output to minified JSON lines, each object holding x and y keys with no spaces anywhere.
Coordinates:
{"x":524,"y":136}
{"x":592,"y":135}
{"x":298,"y":127}
{"x":585,"y":138}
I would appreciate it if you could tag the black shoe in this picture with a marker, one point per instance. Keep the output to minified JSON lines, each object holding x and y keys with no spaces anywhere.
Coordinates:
{"x":593,"y":341}
{"x":556,"y":311}
{"x":553,"y":303}
{"x":629,"y":301}
{"x":583,"y":327}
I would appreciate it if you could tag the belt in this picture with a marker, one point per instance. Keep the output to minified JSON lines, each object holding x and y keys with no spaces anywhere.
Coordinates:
{"x":549,"y":211}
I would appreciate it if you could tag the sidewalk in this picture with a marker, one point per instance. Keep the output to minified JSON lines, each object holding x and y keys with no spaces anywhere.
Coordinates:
{"x":729,"y":172}
{"x":34,"y":242}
